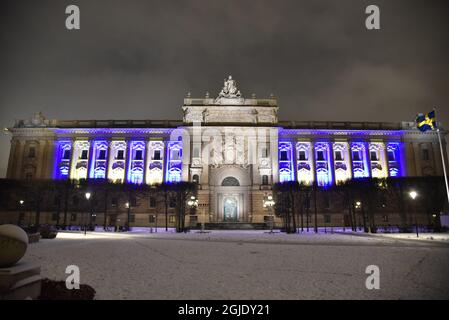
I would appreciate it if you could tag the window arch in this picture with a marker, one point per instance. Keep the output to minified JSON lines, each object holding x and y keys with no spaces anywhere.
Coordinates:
{"x":230,"y":182}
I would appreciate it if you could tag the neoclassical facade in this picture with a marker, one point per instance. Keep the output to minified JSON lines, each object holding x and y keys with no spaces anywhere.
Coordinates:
{"x":235,"y":148}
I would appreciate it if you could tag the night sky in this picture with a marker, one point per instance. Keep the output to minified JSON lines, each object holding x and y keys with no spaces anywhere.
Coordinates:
{"x":137,"y":59}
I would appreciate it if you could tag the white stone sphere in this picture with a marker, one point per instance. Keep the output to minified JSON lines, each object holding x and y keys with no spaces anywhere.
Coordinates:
{"x":13,"y":244}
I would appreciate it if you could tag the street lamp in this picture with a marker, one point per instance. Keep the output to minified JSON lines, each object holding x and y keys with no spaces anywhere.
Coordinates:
{"x":413,"y":194}
{"x":88,"y":195}
{"x":269,"y":203}
{"x":128,"y":214}
{"x":358,"y":205}
{"x":193,"y":204}
{"x":21,"y":213}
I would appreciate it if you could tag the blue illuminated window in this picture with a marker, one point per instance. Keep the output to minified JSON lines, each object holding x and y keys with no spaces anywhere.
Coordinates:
{"x":139,"y":155}
{"x":356,"y":156}
{"x":286,"y":167}
{"x":320,"y":156}
{"x":284,"y":156}
{"x":391,"y":156}
{"x":66,"y":155}
{"x":102,"y":155}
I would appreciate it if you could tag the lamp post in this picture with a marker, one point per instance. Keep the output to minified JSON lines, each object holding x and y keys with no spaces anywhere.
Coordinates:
{"x":88,"y":195}
{"x":21,"y":213}
{"x":128,"y":210}
{"x":358,"y":205}
{"x":193,"y":204}
{"x":413,"y":194}
{"x":269,"y":203}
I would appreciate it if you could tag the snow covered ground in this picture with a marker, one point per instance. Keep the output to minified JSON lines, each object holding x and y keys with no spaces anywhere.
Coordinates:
{"x":412,"y":236}
{"x":246,"y":265}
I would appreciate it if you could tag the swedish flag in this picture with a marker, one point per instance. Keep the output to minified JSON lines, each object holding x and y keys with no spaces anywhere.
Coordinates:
{"x":426,"y":121}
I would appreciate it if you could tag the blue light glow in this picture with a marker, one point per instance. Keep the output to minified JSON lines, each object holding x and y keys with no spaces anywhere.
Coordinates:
{"x":136,"y":162}
{"x":63,"y":160}
{"x":286,"y":167}
{"x":394,"y":159}
{"x":323,"y":165}
{"x":99,"y":160}
{"x":360,"y":166}
{"x":174,"y":162}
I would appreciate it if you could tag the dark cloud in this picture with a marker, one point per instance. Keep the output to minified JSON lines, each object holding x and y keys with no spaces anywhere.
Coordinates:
{"x":137,"y":59}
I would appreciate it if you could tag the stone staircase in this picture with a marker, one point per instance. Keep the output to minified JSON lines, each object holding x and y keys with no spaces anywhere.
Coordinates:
{"x":235,"y":226}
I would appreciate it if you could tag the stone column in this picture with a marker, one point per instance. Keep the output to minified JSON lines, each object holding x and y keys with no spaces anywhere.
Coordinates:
{"x":186,"y":159}
{"x":330,"y":161}
{"x":350,"y":159}
{"x":108,"y":158}
{"x":411,"y":162}
{"x":385,"y":153}
{"x":127,"y":159}
{"x":417,"y":157}
{"x":72,"y":159}
{"x":51,"y":159}
{"x":437,"y":159}
{"x":165,"y":159}
{"x":368,"y":158}
{"x":404,"y":160}
{"x":19,"y":159}
{"x":40,"y":158}
{"x":295,"y":160}
{"x":90,"y":157}
{"x":12,"y":159}
{"x":274,"y":153}
{"x":312,"y":160}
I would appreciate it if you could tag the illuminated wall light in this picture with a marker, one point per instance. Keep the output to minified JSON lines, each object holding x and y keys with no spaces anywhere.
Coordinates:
{"x":174,"y":161}
{"x":286,"y":168}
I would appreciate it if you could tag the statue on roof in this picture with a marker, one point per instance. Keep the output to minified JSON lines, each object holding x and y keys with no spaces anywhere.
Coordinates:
{"x":230,"y":89}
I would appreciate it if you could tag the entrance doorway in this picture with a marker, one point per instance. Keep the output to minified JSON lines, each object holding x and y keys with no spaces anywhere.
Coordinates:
{"x":230,"y":209}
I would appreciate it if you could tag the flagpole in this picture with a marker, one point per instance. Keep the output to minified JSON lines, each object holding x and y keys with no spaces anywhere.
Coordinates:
{"x":444,"y":164}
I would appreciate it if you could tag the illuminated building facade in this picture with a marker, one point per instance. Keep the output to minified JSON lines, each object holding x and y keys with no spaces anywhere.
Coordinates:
{"x":235,"y":148}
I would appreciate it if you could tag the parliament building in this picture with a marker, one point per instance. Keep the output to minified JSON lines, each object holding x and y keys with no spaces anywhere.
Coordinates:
{"x":235,"y":148}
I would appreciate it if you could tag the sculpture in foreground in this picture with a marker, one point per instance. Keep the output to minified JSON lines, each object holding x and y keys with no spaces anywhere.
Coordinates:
{"x":18,"y":279}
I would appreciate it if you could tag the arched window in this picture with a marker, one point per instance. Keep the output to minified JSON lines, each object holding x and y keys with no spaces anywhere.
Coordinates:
{"x":265,"y":180}
{"x":230,"y":182}
{"x":196,"y":178}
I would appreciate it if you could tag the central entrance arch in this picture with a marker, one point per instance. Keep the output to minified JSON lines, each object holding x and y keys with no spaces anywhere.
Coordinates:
{"x":230,"y":186}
